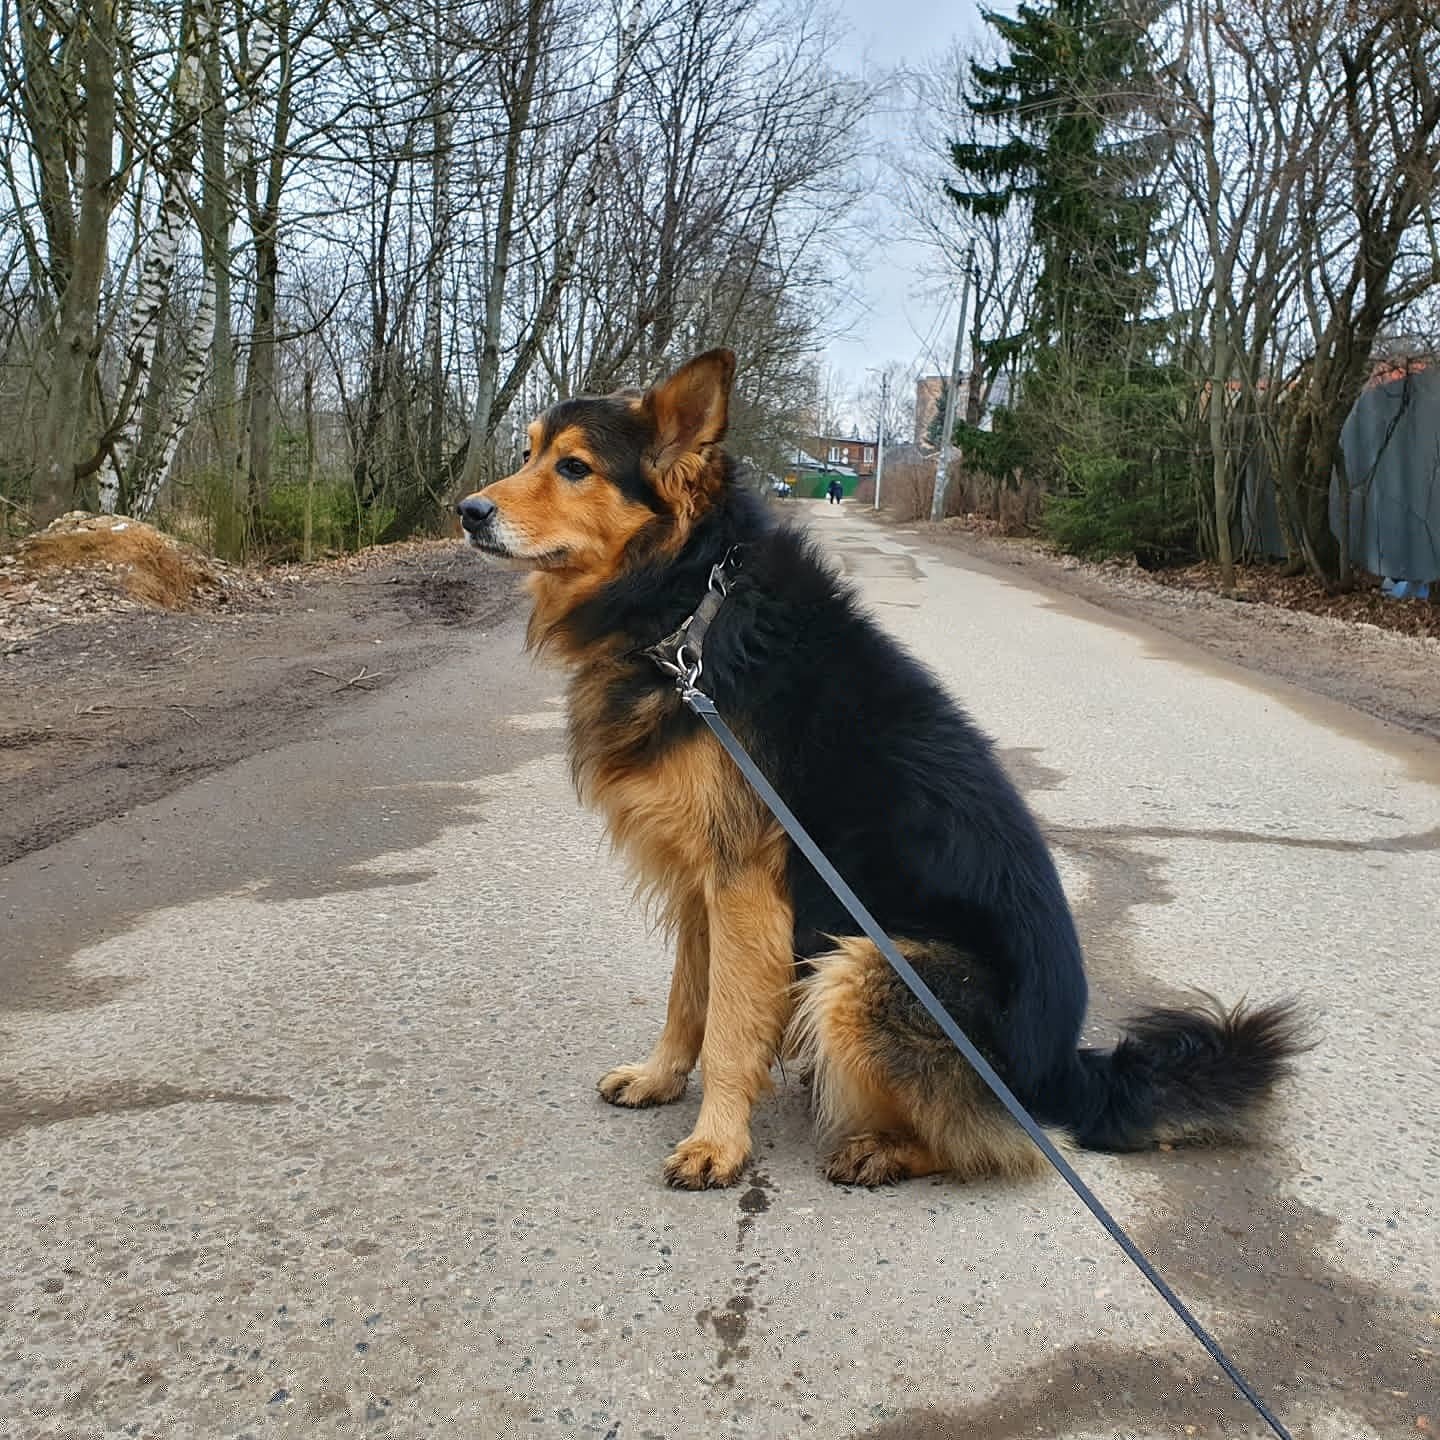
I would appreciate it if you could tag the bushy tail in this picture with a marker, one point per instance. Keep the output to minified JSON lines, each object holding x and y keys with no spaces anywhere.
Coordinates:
{"x":1181,"y":1075}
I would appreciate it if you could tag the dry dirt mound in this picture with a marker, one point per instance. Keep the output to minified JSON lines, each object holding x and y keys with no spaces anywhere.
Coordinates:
{"x":105,"y":564}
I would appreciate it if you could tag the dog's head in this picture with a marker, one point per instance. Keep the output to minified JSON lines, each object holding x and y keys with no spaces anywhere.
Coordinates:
{"x":598,"y":472}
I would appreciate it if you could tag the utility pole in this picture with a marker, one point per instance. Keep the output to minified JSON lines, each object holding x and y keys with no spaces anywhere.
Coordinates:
{"x":952,"y":391}
{"x":880,"y":435}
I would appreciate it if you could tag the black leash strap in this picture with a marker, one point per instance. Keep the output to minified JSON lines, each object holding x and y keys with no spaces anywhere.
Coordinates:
{"x":704,"y":707}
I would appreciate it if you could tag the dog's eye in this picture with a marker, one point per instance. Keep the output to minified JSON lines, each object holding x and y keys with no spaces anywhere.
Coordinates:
{"x":572,"y":469}
{"x":525,"y":456}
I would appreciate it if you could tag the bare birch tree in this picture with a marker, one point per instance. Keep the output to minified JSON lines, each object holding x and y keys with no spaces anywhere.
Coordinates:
{"x":159,"y":255}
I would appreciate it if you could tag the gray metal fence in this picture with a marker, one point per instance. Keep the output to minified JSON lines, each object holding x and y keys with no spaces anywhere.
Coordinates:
{"x":1391,"y":442}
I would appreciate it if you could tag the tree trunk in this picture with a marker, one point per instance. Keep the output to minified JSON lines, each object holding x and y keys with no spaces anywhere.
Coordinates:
{"x":185,"y":392}
{"x":1305,"y":499}
{"x":158,"y":267}
{"x":260,"y":373}
{"x":217,"y":216}
{"x":309,"y":462}
{"x":1219,"y":450}
{"x":491,"y":405}
{"x":259,"y":405}
{"x":381,"y":370}
{"x":974,"y":392}
{"x":59,"y":437}
{"x":434,"y":459}
{"x":482,"y":425}
{"x":48,"y":108}
{"x":1342,"y":474}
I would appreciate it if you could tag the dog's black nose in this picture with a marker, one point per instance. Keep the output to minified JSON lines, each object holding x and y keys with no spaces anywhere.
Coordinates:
{"x":475,"y":513}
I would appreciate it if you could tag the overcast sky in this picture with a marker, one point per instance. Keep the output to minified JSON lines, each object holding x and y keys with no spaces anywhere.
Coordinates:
{"x":895,"y":319}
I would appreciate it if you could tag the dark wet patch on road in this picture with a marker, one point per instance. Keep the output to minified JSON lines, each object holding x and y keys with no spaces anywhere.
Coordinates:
{"x":729,"y":1322}
{"x":754,"y":1201}
{"x":118,"y":1098}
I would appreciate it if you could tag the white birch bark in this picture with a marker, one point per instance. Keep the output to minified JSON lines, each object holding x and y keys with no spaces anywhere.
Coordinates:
{"x":182,"y":404}
{"x":158,"y":267}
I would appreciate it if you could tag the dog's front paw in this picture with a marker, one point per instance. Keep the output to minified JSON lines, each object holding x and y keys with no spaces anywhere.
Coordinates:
{"x":638,"y":1085}
{"x":706,"y":1164}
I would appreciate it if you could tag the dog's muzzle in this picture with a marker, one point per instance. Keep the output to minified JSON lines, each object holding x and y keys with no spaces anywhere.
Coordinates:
{"x":477,"y":515}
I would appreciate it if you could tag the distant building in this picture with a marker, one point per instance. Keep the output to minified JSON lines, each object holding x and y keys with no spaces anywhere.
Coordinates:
{"x":930,"y":391}
{"x":811,"y":473}
{"x":845,"y":452}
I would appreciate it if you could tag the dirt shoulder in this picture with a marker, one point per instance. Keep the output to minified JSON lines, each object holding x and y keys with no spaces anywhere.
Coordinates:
{"x":106,"y":712}
{"x":1382,"y":672}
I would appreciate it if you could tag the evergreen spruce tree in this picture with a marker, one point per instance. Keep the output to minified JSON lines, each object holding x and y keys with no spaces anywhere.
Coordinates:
{"x":1061,"y":130}
{"x":1075,"y":79}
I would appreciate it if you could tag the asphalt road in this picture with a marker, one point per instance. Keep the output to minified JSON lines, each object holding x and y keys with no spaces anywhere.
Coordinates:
{"x":298,"y":1129}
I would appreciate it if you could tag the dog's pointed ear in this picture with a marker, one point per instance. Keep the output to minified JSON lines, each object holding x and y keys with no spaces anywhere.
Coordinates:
{"x":691,"y":408}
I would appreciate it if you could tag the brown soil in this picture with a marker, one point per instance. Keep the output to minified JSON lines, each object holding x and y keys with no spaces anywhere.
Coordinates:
{"x":1364,"y":650}
{"x":106,"y":706}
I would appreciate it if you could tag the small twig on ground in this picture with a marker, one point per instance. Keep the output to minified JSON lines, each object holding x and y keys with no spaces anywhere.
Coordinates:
{"x":442,"y":569}
{"x":364,"y":674}
{"x":104,"y":708}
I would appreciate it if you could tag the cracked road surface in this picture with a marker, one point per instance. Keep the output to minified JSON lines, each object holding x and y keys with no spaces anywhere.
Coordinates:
{"x":299,"y":1134}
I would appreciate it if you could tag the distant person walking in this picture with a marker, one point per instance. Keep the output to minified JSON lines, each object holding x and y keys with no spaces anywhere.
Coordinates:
{"x":836,"y":492}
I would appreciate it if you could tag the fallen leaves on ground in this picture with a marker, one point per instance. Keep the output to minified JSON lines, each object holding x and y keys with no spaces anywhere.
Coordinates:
{"x":1365,"y":604}
{"x":1256,"y":584}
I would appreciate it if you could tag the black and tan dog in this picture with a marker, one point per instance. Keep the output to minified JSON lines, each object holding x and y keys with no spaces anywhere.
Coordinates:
{"x":620,"y":509}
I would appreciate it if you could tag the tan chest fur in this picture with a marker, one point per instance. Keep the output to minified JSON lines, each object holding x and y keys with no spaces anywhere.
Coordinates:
{"x":679,"y":811}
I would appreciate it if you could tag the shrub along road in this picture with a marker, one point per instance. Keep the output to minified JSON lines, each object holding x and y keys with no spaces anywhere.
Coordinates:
{"x":298,"y":1126}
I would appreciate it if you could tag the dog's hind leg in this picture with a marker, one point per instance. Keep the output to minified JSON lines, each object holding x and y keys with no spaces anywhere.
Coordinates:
{"x":661,"y":1078}
{"x":893,"y":1098}
{"x":872,"y":1157}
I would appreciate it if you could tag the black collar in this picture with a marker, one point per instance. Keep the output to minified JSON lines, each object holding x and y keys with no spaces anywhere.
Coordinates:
{"x":681,"y":653}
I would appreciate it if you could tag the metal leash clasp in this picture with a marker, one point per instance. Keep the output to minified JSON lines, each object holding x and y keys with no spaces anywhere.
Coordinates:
{"x":689,"y":660}
{"x":685,"y":662}
{"x":719,"y":581}
{"x":688,"y":665}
